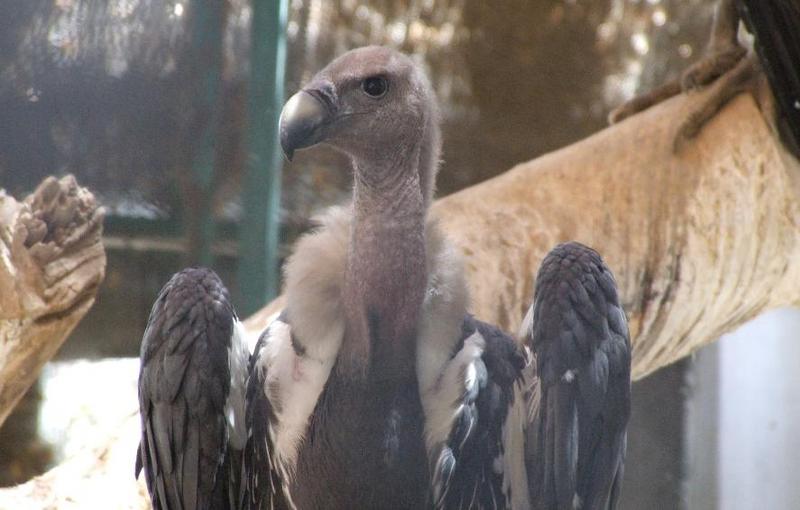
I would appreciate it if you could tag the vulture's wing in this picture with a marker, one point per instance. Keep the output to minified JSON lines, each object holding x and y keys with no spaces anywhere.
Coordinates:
{"x":475,"y":449}
{"x":191,"y":394}
{"x":776,"y":26}
{"x":580,"y":402}
{"x":263,"y":478}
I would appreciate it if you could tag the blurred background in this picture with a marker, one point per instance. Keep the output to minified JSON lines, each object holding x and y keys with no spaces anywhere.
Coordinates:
{"x":155,"y":105}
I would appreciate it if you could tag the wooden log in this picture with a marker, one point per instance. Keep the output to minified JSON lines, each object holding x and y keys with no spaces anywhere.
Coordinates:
{"x":51,"y":264}
{"x":700,"y":241}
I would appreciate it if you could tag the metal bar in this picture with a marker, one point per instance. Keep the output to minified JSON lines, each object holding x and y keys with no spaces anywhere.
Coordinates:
{"x":207,"y":34}
{"x":258,"y":261}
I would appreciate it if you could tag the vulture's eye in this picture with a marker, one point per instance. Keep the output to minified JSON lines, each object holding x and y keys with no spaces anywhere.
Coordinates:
{"x":375,"y":86}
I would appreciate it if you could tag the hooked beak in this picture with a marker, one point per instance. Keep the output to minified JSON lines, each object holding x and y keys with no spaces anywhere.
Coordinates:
{"x":302,"y":120}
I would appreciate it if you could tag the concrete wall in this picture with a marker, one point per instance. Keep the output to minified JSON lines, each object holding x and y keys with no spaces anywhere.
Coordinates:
{"x":743,"y":419}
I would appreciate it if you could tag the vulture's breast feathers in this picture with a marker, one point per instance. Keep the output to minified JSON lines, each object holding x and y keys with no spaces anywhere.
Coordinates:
{"x":295,"y":355}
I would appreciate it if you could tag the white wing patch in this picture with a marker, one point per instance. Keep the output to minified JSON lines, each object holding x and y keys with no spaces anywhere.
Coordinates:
{"x":445,"y":399}
{"x":451,"y":418}
{"x":238,"y":356}
{"x":455,"y":389}
{"x":293,"y":383}
{"x":526,"y":328}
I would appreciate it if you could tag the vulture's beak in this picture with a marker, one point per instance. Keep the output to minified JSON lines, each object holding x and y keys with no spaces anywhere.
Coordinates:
{"x":302,"y":120}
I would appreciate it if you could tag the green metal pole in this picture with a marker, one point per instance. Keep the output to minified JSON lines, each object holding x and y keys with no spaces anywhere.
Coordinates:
{"x":258,"y":254}
{"x":208,"y":19}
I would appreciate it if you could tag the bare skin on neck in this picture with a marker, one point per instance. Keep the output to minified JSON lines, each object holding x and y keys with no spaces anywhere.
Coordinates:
{"x":374,"y":105}
{"x":386,"y":279}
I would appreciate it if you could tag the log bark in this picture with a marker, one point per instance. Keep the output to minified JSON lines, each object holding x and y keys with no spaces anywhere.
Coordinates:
{"x":51,"y":265}
{"x":700,"y":242}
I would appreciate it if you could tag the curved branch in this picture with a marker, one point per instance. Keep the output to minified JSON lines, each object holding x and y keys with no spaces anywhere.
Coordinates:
{"x":700,"y":242}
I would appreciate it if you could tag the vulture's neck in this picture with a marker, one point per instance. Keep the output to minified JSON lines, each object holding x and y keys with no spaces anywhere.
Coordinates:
{"x":386,"y":276}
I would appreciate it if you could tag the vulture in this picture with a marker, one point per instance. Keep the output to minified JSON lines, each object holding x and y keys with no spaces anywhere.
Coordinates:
{"x":776,"y":27}
{"x":374,"y":387}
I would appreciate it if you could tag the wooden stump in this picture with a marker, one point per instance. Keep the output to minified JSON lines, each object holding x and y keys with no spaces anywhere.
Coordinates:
{"x":51,"y":264}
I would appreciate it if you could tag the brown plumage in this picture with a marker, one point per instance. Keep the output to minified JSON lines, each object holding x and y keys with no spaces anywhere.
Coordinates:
{"x":409,"y":370}
{"x":377,"y":107}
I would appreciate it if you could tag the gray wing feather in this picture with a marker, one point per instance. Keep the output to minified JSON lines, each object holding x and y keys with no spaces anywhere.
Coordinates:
{"x":579,"y":336}
{"x":184,"y":381}
{"x":467,"y":469}
{"x":263,"y":482}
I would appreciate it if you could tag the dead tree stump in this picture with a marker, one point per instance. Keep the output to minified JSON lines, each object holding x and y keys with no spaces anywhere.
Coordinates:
{"x":51,"y":264}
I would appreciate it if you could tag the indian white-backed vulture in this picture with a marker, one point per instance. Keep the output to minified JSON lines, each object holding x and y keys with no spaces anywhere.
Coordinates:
{"x":375,"y":387}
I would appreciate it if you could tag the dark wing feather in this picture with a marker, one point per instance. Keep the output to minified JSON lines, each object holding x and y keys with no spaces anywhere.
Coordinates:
{"x":579,"y":336}
{"x":262,"y":479}
{"x":184,"y":381}
{"x":468,"y":466}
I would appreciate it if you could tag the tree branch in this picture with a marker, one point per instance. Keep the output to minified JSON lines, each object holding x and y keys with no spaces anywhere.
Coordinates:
{"x":51,"y":265}
{"x":700,"y":242}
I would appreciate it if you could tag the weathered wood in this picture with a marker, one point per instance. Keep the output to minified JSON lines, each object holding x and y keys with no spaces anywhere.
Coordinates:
{"x":700,"y":242}
{"x":51,"y":264}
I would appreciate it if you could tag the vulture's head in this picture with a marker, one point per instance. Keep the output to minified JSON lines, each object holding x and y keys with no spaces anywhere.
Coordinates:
{"x":371,"y":103}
